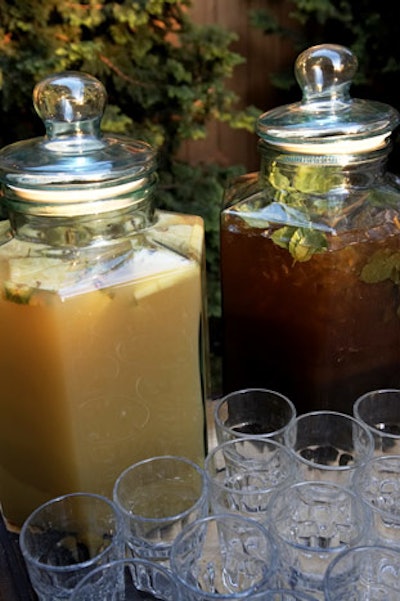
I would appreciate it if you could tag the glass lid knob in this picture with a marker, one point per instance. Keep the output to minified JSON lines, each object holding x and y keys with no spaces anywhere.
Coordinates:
{"x":328,"y":120}
{"x":71,"y":104}
{"x":326,"y":72}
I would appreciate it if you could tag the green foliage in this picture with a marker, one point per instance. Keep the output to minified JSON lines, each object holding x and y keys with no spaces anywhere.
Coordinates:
{"x":165,"y":77}
{"x":201,"y":188}
{"x":368,"y":28}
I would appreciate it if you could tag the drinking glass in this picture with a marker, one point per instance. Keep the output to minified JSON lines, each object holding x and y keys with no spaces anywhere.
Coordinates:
{"x":312,"y":523}
{"x":254,"y":412}
{"x":157,"y":498}
{"x":379,"y":410}
{"x":365,"y":573}
{"x":378,"y":484}
{"x":243,"y":473}
{"x":66,"y":538}
{"x":127,"y":580}
{"x":280,"y":595}
{"x":328,"y":445}
{"x":224,"y":556}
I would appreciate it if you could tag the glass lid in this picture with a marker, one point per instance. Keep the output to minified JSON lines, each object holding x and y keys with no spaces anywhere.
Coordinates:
{"x":74,"y":164}
{"x":327,"y":119}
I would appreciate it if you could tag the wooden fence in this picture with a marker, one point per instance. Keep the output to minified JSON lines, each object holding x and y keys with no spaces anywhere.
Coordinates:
{"x":263,"y":55}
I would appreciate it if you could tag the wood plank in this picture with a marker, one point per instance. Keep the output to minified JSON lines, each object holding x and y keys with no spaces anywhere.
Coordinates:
{"x":263,"y":55}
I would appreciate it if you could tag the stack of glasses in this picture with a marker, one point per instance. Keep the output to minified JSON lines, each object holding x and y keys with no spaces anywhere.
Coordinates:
{"x":286,"y":507}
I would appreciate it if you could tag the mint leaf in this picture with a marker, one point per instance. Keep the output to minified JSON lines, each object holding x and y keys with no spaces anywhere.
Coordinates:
{"x":301,"y":242}
{"x":383,"y":265}
{"x":17,"y":293}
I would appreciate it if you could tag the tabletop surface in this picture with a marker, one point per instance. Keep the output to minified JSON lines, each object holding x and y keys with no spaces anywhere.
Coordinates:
{"x":14,"y":581}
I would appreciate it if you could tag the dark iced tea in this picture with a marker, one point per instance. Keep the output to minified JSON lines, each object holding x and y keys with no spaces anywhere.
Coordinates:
{"x":323,"y":331}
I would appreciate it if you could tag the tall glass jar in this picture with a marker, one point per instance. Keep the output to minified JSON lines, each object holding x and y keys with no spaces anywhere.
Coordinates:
{"x":310,"y":247}
{"x":102,"y":355}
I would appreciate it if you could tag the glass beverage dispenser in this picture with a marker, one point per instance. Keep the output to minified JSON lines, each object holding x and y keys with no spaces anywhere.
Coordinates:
{"x":310,"y":247}
{"x":101,"y":308}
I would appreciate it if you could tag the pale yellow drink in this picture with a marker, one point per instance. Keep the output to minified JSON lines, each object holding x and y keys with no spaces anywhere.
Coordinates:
{"x":97,"y":370}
